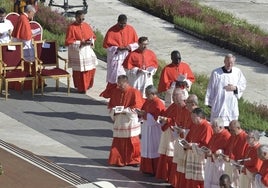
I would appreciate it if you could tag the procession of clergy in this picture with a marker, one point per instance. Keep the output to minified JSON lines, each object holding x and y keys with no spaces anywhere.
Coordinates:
{"x":171,"y":138}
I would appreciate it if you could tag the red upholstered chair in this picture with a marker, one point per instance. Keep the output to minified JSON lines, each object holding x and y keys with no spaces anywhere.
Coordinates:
{"x":12,"y":66}
{"x":13,"y":17}
{"x":37,"y":30}
{"x":48,"y":62}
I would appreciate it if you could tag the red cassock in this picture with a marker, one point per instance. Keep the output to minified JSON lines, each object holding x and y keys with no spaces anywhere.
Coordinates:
{"x":264,"y":173}
{"x":182,"y":120}
{"x":181,"y":180}
{"x":165,"y":162}
{"x":237,"y":145}
{"x":80,"y":32}
{"x":155,"y":107}
{"x":254,"y":164}
{"x":23,"y":29}
{"x":116,"y":36}
{"x":219,"y":141}
{"x":130,"y":97}
{"x":140,"y":59}
{"x":170,"y":74}
{"x":200,"y":134}
{"x":125,"y":150}
{"x":83,"y":80}
{"x":179,"y":116}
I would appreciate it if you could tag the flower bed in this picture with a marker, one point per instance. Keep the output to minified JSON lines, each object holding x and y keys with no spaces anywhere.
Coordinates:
{"x":214,"y":26}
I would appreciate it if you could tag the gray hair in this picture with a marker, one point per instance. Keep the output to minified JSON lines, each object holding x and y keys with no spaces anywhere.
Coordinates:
{"x":151,"y":90}
{"x":30,"y":8}
{"x":256,"y":134}
{"x":229,"y":56}
{"x":218,"y":122}
{"x":183,"y":92}
{"x":193,"y":99}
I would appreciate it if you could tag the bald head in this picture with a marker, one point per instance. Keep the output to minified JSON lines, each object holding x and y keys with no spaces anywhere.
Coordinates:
{"x":192,"y":102}
{"x":235,"y":127}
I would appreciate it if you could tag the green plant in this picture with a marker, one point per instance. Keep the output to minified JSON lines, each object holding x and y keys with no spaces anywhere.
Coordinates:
{"x":252,"y":116}
{"x":59,"y":38}
{"x":8,"y":5}
{"x":210,"y":22}
{"x":99,"y":50}
{"x":190,"y":24}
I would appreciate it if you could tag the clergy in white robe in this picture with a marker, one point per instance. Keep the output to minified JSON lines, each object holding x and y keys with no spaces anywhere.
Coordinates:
{"x":150,"y":130}
{"x":226,"y":86}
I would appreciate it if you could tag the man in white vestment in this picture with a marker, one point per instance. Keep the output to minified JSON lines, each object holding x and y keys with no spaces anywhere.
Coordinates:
{"x":6,"y":27}
{"x":226,"y":86}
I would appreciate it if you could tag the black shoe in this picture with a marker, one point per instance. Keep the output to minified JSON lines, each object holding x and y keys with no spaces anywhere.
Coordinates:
{"x":82,"y":92}
{"x":135,"y":165}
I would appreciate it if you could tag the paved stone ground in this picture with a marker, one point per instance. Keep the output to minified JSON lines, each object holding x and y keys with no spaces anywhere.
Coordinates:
{"x":75,"y":131}
{"x":202,"y":56}
{"x":254,"y":11}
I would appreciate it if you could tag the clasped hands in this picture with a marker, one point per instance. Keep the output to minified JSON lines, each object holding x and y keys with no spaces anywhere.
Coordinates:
{"x":230,"y":87}
{"x":121,"y":48}
{"x":86,"y":42}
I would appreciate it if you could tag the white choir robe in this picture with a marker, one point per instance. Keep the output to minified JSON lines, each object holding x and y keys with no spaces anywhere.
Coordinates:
{"x":195,"y":164}
{"x":167,"y":141}
{"x":247,"y":180}
{"x":150,"y":137}
{"x":142,"y":79}
{"x":115,"y":60}
{"x":81,"y":58}
{"x":224,"y":103}
{"x":126,"y":123}
{"x":213,"y":170}
{"x":234,"y":174}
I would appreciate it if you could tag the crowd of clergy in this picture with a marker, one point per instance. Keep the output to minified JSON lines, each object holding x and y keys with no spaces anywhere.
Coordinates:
{"x":168,"y":137}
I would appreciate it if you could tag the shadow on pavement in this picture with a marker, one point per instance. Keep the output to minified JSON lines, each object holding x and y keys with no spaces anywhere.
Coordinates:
{"x":88,"y":132}
{"x":98,"y":170}
{"x":71,"y":115}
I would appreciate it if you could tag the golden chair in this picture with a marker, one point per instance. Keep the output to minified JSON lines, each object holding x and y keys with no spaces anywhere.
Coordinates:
{"x":13,"y":17}
{"x":37,"y":30}
{"x":48,"y":62}
{"x":12,"y":66}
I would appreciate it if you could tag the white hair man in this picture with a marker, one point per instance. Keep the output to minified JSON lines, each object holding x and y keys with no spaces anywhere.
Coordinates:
{"x":261,"y":179}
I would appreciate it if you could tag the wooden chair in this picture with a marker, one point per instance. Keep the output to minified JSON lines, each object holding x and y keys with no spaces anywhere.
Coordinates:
{"x":47,"y":59}
{"x":12,"y":66}
{"x":13,"y":17}
{"x":37,"y":30}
